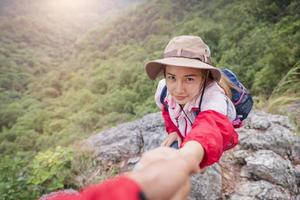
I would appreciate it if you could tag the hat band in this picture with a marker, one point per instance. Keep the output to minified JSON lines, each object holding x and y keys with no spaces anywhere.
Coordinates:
{"x":187,"y":54}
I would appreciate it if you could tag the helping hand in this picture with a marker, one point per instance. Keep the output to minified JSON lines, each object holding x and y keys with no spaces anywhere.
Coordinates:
{"x":163,"y":173}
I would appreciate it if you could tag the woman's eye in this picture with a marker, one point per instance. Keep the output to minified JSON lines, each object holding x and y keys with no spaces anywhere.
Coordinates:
{"x":189,"y":79}
{"x":172,"y":78}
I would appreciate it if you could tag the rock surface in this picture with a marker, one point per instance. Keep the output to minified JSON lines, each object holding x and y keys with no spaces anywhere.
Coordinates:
{"x":265,"y":165}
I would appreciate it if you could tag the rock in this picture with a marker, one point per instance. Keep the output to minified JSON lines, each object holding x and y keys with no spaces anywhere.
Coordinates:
{"x":276,"y":138}
{"x":127,"y":140}
{"x":260,"y":122}
{"x":260,"y":190}
{"x":269,"y":166}
{"x":200,"y":182}
{"x":265,"y":164}
{"x":297,"y":176}
{"x":114,"y":145}
{"x":240,"y":156}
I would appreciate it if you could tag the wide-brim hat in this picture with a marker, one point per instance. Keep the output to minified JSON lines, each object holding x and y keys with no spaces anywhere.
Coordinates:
{"x":183,"y":51}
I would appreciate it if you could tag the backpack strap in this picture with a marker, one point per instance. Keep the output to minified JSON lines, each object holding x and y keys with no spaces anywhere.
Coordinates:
{"x":163,"y":95}
{"x":241,"y":97}
{"x":201,"y":98}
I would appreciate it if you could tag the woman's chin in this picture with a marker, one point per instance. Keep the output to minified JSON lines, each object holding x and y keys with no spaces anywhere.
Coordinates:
{"x":181,"y":102}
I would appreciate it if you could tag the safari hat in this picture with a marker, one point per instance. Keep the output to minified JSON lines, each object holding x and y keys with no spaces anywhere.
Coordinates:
{"x":184,"y":51}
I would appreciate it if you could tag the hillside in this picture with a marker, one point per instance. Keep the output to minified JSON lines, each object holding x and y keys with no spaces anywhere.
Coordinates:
{"x":69,"y":72}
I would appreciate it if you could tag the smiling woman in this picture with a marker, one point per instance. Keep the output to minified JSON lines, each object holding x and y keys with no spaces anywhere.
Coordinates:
{"x":196,"y":109}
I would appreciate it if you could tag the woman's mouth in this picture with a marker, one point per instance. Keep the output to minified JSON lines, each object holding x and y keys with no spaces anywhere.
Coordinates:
{"x":180,"y":98}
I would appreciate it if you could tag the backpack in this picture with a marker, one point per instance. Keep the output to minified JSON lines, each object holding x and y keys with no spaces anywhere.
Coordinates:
{"x":241,"y":98}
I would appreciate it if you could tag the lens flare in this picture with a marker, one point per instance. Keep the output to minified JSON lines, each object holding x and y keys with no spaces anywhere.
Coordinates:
{"x":67,"y":6}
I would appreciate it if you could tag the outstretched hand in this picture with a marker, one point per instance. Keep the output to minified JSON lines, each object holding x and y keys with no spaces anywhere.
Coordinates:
{"x":163,"y":173}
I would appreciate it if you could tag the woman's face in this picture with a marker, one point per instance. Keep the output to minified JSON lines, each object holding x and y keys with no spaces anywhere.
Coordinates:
{"x":183,"y":83}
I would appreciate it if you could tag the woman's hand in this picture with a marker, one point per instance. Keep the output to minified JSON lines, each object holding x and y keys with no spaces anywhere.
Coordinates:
{"x":172,"y":137}
{"x":193,"y":152}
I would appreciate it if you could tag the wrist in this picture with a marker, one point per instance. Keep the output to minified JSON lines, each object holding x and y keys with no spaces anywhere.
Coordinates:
{"x":192,"y":152}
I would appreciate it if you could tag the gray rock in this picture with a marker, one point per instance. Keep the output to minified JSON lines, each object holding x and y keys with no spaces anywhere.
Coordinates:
{"x":260,"y":122}
{"x":269,"y":166}
{"x":295,"y":197}
{"x":260,"y":190}
{"x":295,"y":148}
{"x":127,"y":140}
{"x":114,"y":145}
{"x":152,"y":130}
{"x":276,"y":138}
{"x":240,"y":156}
{"x":297,"y":176}
{"x":207,"y":186}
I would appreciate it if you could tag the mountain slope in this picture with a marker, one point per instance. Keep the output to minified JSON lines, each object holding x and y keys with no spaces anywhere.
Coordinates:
{"x":65,"y":76}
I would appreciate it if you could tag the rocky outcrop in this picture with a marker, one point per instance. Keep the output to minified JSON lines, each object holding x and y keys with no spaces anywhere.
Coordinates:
{"x":265,"y":164}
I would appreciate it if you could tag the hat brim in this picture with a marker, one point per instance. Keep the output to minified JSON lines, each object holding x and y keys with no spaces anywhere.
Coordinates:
{"x":155,"y":68}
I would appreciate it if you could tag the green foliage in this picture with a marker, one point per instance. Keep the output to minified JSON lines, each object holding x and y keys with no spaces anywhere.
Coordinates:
{"x":9,"y":114}
{"x":13,"y":175}
{"x":50,"y":170}
{"x":289,"y":84}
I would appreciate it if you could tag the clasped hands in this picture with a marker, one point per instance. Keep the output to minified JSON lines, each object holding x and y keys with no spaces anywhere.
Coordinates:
{"x":164,"y":173}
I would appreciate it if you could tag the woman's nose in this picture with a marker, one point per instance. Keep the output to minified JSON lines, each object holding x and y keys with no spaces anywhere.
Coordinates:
{"x":179,"y":87}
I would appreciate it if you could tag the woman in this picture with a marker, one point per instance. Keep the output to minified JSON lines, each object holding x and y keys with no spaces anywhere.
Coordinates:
{"x":196,"y":107}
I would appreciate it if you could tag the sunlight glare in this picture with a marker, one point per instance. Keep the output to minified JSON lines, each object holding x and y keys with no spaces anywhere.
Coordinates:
{"x":70,"y":5}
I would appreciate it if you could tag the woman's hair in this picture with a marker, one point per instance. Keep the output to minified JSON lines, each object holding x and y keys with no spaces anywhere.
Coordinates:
{"x":224,"y":82}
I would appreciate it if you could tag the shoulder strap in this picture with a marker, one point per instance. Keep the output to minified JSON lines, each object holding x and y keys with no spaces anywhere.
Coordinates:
{"x":201,"y":98}
{"x":163,"y":95}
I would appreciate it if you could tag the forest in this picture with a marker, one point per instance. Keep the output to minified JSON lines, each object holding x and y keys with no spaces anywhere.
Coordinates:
{"x":69,"y":72}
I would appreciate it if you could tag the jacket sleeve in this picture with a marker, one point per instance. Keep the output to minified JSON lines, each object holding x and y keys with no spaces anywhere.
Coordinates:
{"x":215,"y":132}
{"x":119,"y":188}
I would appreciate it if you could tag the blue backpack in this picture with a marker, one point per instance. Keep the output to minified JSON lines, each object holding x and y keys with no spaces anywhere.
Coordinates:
{"x":241,"y":98}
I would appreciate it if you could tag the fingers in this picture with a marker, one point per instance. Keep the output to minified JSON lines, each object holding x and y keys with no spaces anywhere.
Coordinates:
{"x":158,"y":154}
{"x":154,"y":178}
{"x":179,"y":141}
{"x":170,"y":139}
{"x":164,"y":143}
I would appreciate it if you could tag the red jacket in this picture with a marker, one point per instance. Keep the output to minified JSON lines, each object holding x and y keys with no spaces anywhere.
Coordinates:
{"x":213,"y":130}
{"x":119,"y":188}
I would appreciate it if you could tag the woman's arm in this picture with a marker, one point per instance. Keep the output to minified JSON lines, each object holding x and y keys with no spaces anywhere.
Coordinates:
{"x":215,"y":133}
{"x":193,"y":152}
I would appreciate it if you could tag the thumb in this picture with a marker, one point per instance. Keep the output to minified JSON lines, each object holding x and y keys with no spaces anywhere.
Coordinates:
{"x":179,"y":141}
